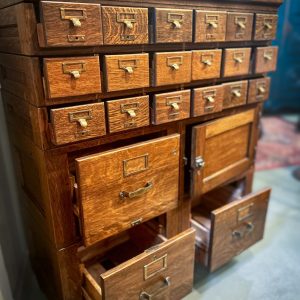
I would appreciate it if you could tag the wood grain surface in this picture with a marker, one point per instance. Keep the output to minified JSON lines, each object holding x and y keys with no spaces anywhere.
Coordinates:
{"x":59,"y":29}
{"x":172,"y":67}
{"x":127,"y":169}
{"x":173,"y":25}
{"x":235,"y":93}
{"x":118,"y":78}
{"x":207,"y":100}
{"x":236,"y":61}
{"x":239,"y":26}
{"x":117,"y":32}
{"x":206,"y":64}
{"x":128,"y":113}
{"x":62,"y":83}
{"x":265,"y":27}
{"x":259,"y":89}
{"x":266,"y":59}
{"x":210,"y":26}
{"x":66,"y":126}
{"x":164,"y":112}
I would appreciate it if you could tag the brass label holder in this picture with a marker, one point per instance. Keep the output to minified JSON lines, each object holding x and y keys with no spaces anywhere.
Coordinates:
{"x":127,"y":19}
{"x":175,"y":19}
{"x":174,"y":62}
{"x":162,"y":264}
{"x":261,"y":88}
{"x":207,"y":59}
{"x":212,"y":24}
{"x":128,"y":65}
{"x":245,"y":212}
{"x":239,"y":57}
{"x":71,"y":69}
{"x":144,"y":165}
{"x":174,"y":102}
{"x":241,"y":23}
{"x":75,"y":19}
{"x":210,"y":98}
{"x":268,"y":55}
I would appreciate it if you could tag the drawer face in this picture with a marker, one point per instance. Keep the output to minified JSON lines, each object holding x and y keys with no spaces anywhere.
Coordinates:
{"x":125,"y":25}
{"x":265,"y":27}
{"x":173,"y":25}
{"x":259,"y":89}
{"x":77,"y":123}
{"x":237,"y":226}
{"x":237,"y":61}
{"x":71,"y":24}
{"x":74,"y":76}
{"x":127,"y":71}
{"x":239,"y":26}
{"x":235,"y":93}
{"x":207,"y":100}
{"x":168,"y":107}
{"x":206,"y":64}
{"x":136,"y":183}
{"x":213,"y":165}
{"x":210,"y":26}
{"x":266,"y":59}
{"x":172,"y":68}
{"x":124,"y":114}
{"x":164,"y":271}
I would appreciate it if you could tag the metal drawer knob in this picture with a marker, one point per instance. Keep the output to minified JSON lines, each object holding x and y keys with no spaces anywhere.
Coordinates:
{"x":268,"y":25}
{"x":76,"y":22}
{"x":136,"y":193}
{"x":146,"y":296}
{"x":82,"y":122}
{"x":75,"y":74}
{"x":128,"y":24}
{"x":250,"y":226}
{"x":128,"y":70}
{"x":175,"y":67}
{"x":241,"y":25}
{"x":176,"y":24}
{"x":236,"y":93}
{"x":238,"y":60}
{"x":268,"y":56}
{"x":213,"y":24}
{"x":131,"y":113}
{"x":210,"y":99}
{"x":261,"y":89}
{"x":207,"y":62}
{"x":175,"y":106}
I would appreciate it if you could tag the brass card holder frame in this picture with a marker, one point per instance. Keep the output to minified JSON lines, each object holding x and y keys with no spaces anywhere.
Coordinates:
{"x":126,"y":18}
{"x":261,"y":88}
{"x":74,"y":19}
{"x":175,"y":19}
{"x":74,"y":72}
{"x":241,"y":23}
{"x":164,"y":260}
{"x":239,"y":57}
{"x":174,"y":62}
{"x":209,"y":97}
{"x":236,"y":90}
{"x":80,"y":117}
{"x":130,"y":109}
{"x":145,"y":158}
{"x":212,"y":20}
{"x":128,"y":65}
{"x":245,"y":212}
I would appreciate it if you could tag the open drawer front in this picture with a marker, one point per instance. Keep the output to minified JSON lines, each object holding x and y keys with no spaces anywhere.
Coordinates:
{"x":226,"y":224}
{"x":144,"y":266}
{"x":221,"y":150}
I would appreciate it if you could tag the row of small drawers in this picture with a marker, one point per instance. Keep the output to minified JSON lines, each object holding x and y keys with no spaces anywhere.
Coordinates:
{"x":76,"y":123}
{"x":66,"y":77}
{"x":69,"y":24}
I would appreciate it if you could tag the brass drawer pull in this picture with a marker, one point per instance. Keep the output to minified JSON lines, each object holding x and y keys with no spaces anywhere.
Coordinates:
{"x":238,"y":59}
{"x":81,"y":117}
{"x":128,"y":70}
{"x":130,"y":109}
{"x":74,"y":19}
{"x":268,"y":25}
{"x":250,"y":226}
{"x":70,"y":68}
{"x":136,"y":193}
{"x":128,"y":65}
{"x":212,"y":21}
{"x":241,"y":22}
{"x":127,"y":19}
{"x":268,"y":55}
{"x":261,"y":89}
{"x":176,"y":20}
{"x":146,"y":296}
{"x":210,"y":99}
{"x":236,"y":93}
{"x":175,"y":106}
{"x":241,"y":25}
{"x":175,"y":62}
{"x":213,"y":24}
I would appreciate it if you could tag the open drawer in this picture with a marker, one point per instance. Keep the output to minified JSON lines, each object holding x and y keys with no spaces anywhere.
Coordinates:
{"x":227,"y":223}
{"x":144,"y":266}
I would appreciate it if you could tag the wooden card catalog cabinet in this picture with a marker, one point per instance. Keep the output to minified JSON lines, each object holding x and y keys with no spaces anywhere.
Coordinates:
{"x":212,"y":164}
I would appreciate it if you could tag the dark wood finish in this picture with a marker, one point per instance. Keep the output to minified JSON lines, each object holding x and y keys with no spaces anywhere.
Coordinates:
{"x":75,"y":76}
{"x":168,"y":107}
{"x":265,"y":27}
{"x":70,"y":25}
{"x":235,"y":93}
{"x":127,"y":71}
{"x":206,"y":64}
{"x":172,"y":67}
{"x":229,"y":225}
{"x":128,"y":113}
{"x":259,"y":89}
{"x":239,"y":26}
{"x":210,"y":26}
{"x":225,"y":145}
{"x":146,"y":272}
{"x":236,"y":61}
{"x":266,"y":59}
{"x":207,"y":100}
{"x":136,"y":170}
{"x":125,"y":25}
{"x":173,"y":25}
{"x":77,"y":123}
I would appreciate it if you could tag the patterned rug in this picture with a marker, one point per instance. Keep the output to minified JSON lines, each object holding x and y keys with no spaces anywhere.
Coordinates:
{"x":279,"y":145}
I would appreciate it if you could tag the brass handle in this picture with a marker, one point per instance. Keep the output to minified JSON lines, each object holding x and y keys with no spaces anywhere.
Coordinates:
{"x":213,"y":24}
{"x":76,"y":22}
{"x":75,"y":74}
{"x":175,"y":106}
{"x":261,"y":89}
{"x":82,"y":122}
{"x":128,"y":24}
{"x":241,"y":25}
{"x":176,"y":24}
{"x":131,"y":113}
{"x":268,"y":56}
{"x":250,"y":226}
{"x":207,"y":62}
{"x":128,"y":69}
{"x":238,"y":59}
{"x":268,"y":25}
{"x":237,"y":93}
{"x":138,"y":192}
{"x":146,"y":296}
{"x":210,"y":99}
{"x":175,"y":67}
